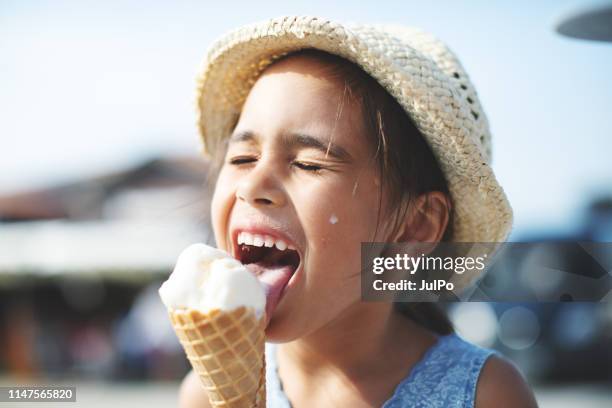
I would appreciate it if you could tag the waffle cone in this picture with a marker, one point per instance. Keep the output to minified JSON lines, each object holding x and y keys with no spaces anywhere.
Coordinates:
{"x":226,"y":350}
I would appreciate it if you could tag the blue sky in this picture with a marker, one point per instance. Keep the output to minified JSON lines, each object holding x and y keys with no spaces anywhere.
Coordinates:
{"x":87,"y":87}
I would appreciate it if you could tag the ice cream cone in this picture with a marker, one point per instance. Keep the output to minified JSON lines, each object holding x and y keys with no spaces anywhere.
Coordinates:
{"x":226,"y":350}
{"x":217,"y":308}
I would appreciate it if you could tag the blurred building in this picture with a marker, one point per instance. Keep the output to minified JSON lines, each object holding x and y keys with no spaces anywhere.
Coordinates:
{"x":80,"y":265}
{"x":133,"y":219}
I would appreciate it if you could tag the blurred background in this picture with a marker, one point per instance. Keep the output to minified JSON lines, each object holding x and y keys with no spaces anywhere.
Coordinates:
{"x":101,"y":184}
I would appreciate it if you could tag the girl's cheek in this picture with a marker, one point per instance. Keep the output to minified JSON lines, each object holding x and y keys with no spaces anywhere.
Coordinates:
{"x":215,"y":219}
{"x":331,"y":229}
{"x":219,"y":211}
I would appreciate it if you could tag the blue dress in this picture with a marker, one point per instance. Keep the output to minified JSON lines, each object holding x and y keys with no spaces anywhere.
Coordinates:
{"x":445,"y":376}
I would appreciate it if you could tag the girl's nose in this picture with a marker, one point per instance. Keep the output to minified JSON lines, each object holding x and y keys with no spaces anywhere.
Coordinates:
{"x":260,"y":187}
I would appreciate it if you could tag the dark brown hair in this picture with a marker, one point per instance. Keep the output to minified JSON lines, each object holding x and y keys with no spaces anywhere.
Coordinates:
{"x":407,"y":166}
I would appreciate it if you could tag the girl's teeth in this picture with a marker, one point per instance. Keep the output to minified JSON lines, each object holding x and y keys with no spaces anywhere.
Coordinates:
{"x":269,"y":242}
{"x":258,"y":241}
{"x":262,"y":240}
{"x":280,"y":244}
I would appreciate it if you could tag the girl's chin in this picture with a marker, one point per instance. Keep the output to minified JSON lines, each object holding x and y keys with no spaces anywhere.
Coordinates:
{"x":283,"y":330}
{"x":275,"y":334}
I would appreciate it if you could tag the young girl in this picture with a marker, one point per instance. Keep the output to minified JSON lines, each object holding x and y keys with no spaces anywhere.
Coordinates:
{"x":328,"y":135}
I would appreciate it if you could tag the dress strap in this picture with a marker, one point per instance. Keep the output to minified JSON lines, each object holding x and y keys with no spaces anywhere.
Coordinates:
{"x":275,"y":396}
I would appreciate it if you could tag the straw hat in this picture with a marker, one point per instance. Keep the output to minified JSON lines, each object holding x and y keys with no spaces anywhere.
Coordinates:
{"x":413,"y":66}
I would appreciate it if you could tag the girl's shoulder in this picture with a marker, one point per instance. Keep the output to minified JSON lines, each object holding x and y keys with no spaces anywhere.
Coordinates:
{"x":457,"y":373}
{"x":502,"y":385}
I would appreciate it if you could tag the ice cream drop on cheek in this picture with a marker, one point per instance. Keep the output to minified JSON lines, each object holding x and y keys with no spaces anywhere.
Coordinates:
{"x":274,"y":278}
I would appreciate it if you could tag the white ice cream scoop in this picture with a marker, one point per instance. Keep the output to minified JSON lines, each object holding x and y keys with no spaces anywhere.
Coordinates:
{"x":206,"y":278}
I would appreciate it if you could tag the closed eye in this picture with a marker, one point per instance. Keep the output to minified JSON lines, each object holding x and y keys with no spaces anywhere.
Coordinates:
{"x":242,"y":160}
{"x":308,"y":166}
{"x":239,"y":160}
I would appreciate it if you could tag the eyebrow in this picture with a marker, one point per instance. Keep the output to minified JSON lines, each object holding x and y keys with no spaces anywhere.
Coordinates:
{"x":293,"y":139}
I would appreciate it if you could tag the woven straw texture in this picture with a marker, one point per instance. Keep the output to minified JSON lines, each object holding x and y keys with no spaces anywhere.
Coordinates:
{"x":416,"y":68}
{"x":226,"y":350}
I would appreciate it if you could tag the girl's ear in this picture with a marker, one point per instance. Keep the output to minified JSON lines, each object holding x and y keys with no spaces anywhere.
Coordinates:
{"x":426,"y":219}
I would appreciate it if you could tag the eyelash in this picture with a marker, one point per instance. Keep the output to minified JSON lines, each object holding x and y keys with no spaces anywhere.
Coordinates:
{"x":312,"y":168}
{"x":236,"y":161}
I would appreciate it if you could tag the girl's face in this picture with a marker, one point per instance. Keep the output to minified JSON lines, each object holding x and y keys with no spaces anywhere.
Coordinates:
{"x":279,"y":181}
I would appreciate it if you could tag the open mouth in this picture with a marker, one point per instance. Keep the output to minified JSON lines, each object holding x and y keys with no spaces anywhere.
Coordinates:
{"x":268,"y":257}
{"x":273,"y":262}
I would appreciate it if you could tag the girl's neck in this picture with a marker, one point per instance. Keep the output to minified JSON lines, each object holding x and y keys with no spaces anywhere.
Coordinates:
{"x":368,"y":339}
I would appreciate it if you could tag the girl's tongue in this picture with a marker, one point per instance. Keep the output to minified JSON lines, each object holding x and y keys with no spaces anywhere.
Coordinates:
{"x":274,"y":279}
{"x":273,"y":268}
